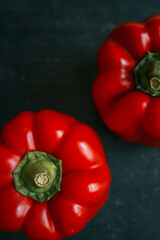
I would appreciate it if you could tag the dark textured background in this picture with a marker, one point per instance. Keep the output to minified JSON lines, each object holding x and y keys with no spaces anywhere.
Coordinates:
{"x":48,"y":60}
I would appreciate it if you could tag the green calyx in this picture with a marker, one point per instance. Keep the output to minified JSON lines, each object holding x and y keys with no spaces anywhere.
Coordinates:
{"x":38,"y":176}
{"x":147,"y":74}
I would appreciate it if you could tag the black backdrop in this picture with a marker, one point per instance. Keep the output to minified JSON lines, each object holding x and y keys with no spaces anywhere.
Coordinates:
{"x":48,"y":60}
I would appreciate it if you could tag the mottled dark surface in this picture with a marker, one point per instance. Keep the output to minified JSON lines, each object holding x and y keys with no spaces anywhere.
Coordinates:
{"x":48,"y":60}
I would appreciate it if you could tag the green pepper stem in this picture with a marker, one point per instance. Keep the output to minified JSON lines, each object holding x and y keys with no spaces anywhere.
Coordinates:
{"x":38,"y":176}
{"x":42,"y":179}
{"x":155,"y":83}
{"x":147,"y":74}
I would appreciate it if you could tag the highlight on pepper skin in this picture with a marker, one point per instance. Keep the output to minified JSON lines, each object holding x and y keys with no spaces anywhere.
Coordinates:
{"x":53,"y":177}
{"x":126,"y":90}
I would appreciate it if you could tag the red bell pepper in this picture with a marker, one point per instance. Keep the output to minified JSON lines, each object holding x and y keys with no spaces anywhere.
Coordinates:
{"x":126,"y":90}
{"x":48,"y":198}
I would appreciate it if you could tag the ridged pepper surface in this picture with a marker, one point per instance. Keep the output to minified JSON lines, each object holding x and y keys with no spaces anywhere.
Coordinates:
{"x":126,"y":90}
{"x":53,"y":175}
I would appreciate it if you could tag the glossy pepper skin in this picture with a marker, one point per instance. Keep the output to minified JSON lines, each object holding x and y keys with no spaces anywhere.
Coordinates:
{"x":128,"y":111}
{"x":85,"y":175}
